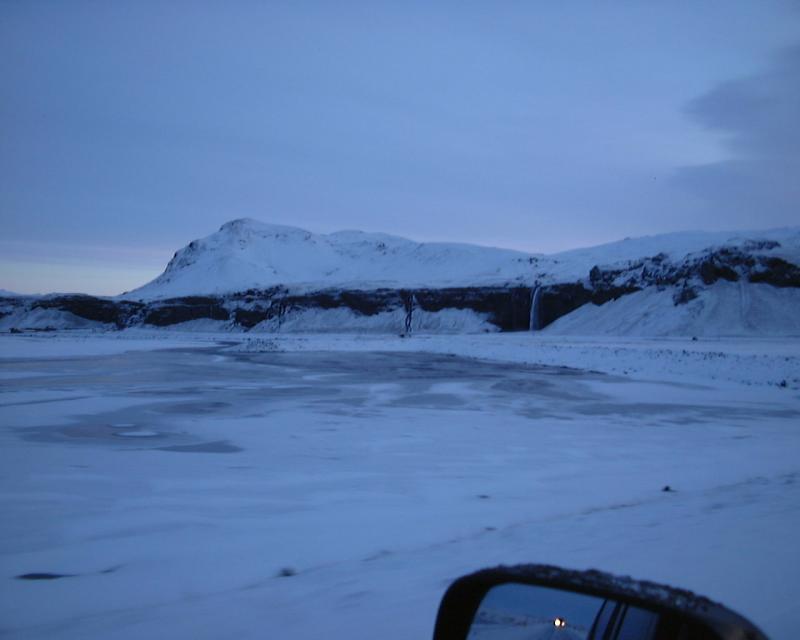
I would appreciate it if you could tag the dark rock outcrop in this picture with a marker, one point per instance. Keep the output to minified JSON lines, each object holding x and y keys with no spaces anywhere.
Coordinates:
{"x":507,"y":308}
{"x":177,"y":310}
{"x":684,"y":295}
{"x":776,"y":272}
{"x":91,"y":308}
{"x":710,"y":272}
{"x":561,"y":299}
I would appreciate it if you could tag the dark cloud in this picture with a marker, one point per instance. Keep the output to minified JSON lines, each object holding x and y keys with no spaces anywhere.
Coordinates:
{"x":759,"y":116}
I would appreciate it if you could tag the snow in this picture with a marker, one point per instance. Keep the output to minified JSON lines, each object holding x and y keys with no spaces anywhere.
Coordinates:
{"x":375,"y":469}
{"x":39,"y":319}
{"x":393,"y":322}
{"x":679,"y":244}
{"x":725,"y":308}
{"x":200,"y":325}
{"x":247,"y":254}
{"x":575,"y":264}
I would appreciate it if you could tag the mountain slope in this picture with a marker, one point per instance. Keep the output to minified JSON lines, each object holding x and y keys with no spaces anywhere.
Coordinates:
{"x":247,"y":254}
{"x":722,"y":309}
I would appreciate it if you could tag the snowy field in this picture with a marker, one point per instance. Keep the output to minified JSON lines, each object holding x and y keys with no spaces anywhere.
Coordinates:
{"x":208,"y":486}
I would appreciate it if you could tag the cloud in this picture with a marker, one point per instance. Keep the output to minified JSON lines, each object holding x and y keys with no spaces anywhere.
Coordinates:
{"x":759,"y":118}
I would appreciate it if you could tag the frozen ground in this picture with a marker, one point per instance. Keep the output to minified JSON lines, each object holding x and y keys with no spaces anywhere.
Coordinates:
{"x":174,"y":479}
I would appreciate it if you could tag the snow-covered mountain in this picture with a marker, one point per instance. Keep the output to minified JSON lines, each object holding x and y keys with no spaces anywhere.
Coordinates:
{"x":674,"y":248}
{"x":247,"y":254}
{"x":251,"y":276}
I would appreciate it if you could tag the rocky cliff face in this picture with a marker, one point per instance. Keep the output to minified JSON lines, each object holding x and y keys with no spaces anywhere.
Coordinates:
{"x":274,"y":309}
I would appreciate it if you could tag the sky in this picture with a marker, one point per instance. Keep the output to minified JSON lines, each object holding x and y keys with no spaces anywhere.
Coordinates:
{"x":131,"y":128}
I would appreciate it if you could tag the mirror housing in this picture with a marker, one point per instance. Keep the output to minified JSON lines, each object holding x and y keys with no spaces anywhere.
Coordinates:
{"x":697,"y":614}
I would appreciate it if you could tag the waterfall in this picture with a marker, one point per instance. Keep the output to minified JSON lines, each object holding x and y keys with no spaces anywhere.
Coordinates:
{"x":536,"y":301}
{"x":410,"y":313}
{"x":409,"y":301}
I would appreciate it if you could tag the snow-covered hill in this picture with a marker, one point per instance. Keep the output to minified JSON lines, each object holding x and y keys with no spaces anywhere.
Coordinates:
{"x":675,"y":248}
{"x":721,"y":309}
{"x":251,"y":276}
{"x":247,"y":254}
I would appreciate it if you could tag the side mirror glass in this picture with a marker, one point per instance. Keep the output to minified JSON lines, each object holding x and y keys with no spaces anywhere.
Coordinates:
{"x":539,"y":602}
{"x":516,"y":611}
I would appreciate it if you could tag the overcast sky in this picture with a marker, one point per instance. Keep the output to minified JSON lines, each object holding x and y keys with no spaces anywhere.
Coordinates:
{"x":131,"y":128}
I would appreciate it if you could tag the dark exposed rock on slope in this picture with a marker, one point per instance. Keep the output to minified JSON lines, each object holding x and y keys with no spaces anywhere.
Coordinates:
{"x":103,"y":310}
{"x":508,"y":309}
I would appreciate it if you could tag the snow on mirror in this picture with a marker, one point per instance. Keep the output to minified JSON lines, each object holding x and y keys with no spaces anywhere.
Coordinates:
{"x":527,"y":612}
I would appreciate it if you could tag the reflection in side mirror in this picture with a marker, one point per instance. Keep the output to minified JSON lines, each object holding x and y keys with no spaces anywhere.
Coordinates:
{"x":516,"y":611}
{"x":540,"y":602}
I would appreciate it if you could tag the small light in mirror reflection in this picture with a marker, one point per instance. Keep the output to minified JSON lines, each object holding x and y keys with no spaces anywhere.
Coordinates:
{"x":560,"y":623}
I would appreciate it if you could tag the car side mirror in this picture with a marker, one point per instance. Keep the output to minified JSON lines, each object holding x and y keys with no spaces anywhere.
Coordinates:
{"x":533,"y":602}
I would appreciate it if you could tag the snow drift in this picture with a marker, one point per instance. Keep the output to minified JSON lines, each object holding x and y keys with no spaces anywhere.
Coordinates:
{"x":723,"y":309}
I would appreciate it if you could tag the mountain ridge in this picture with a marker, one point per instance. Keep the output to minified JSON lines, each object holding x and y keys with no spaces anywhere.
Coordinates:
{"x":248,"y":254}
